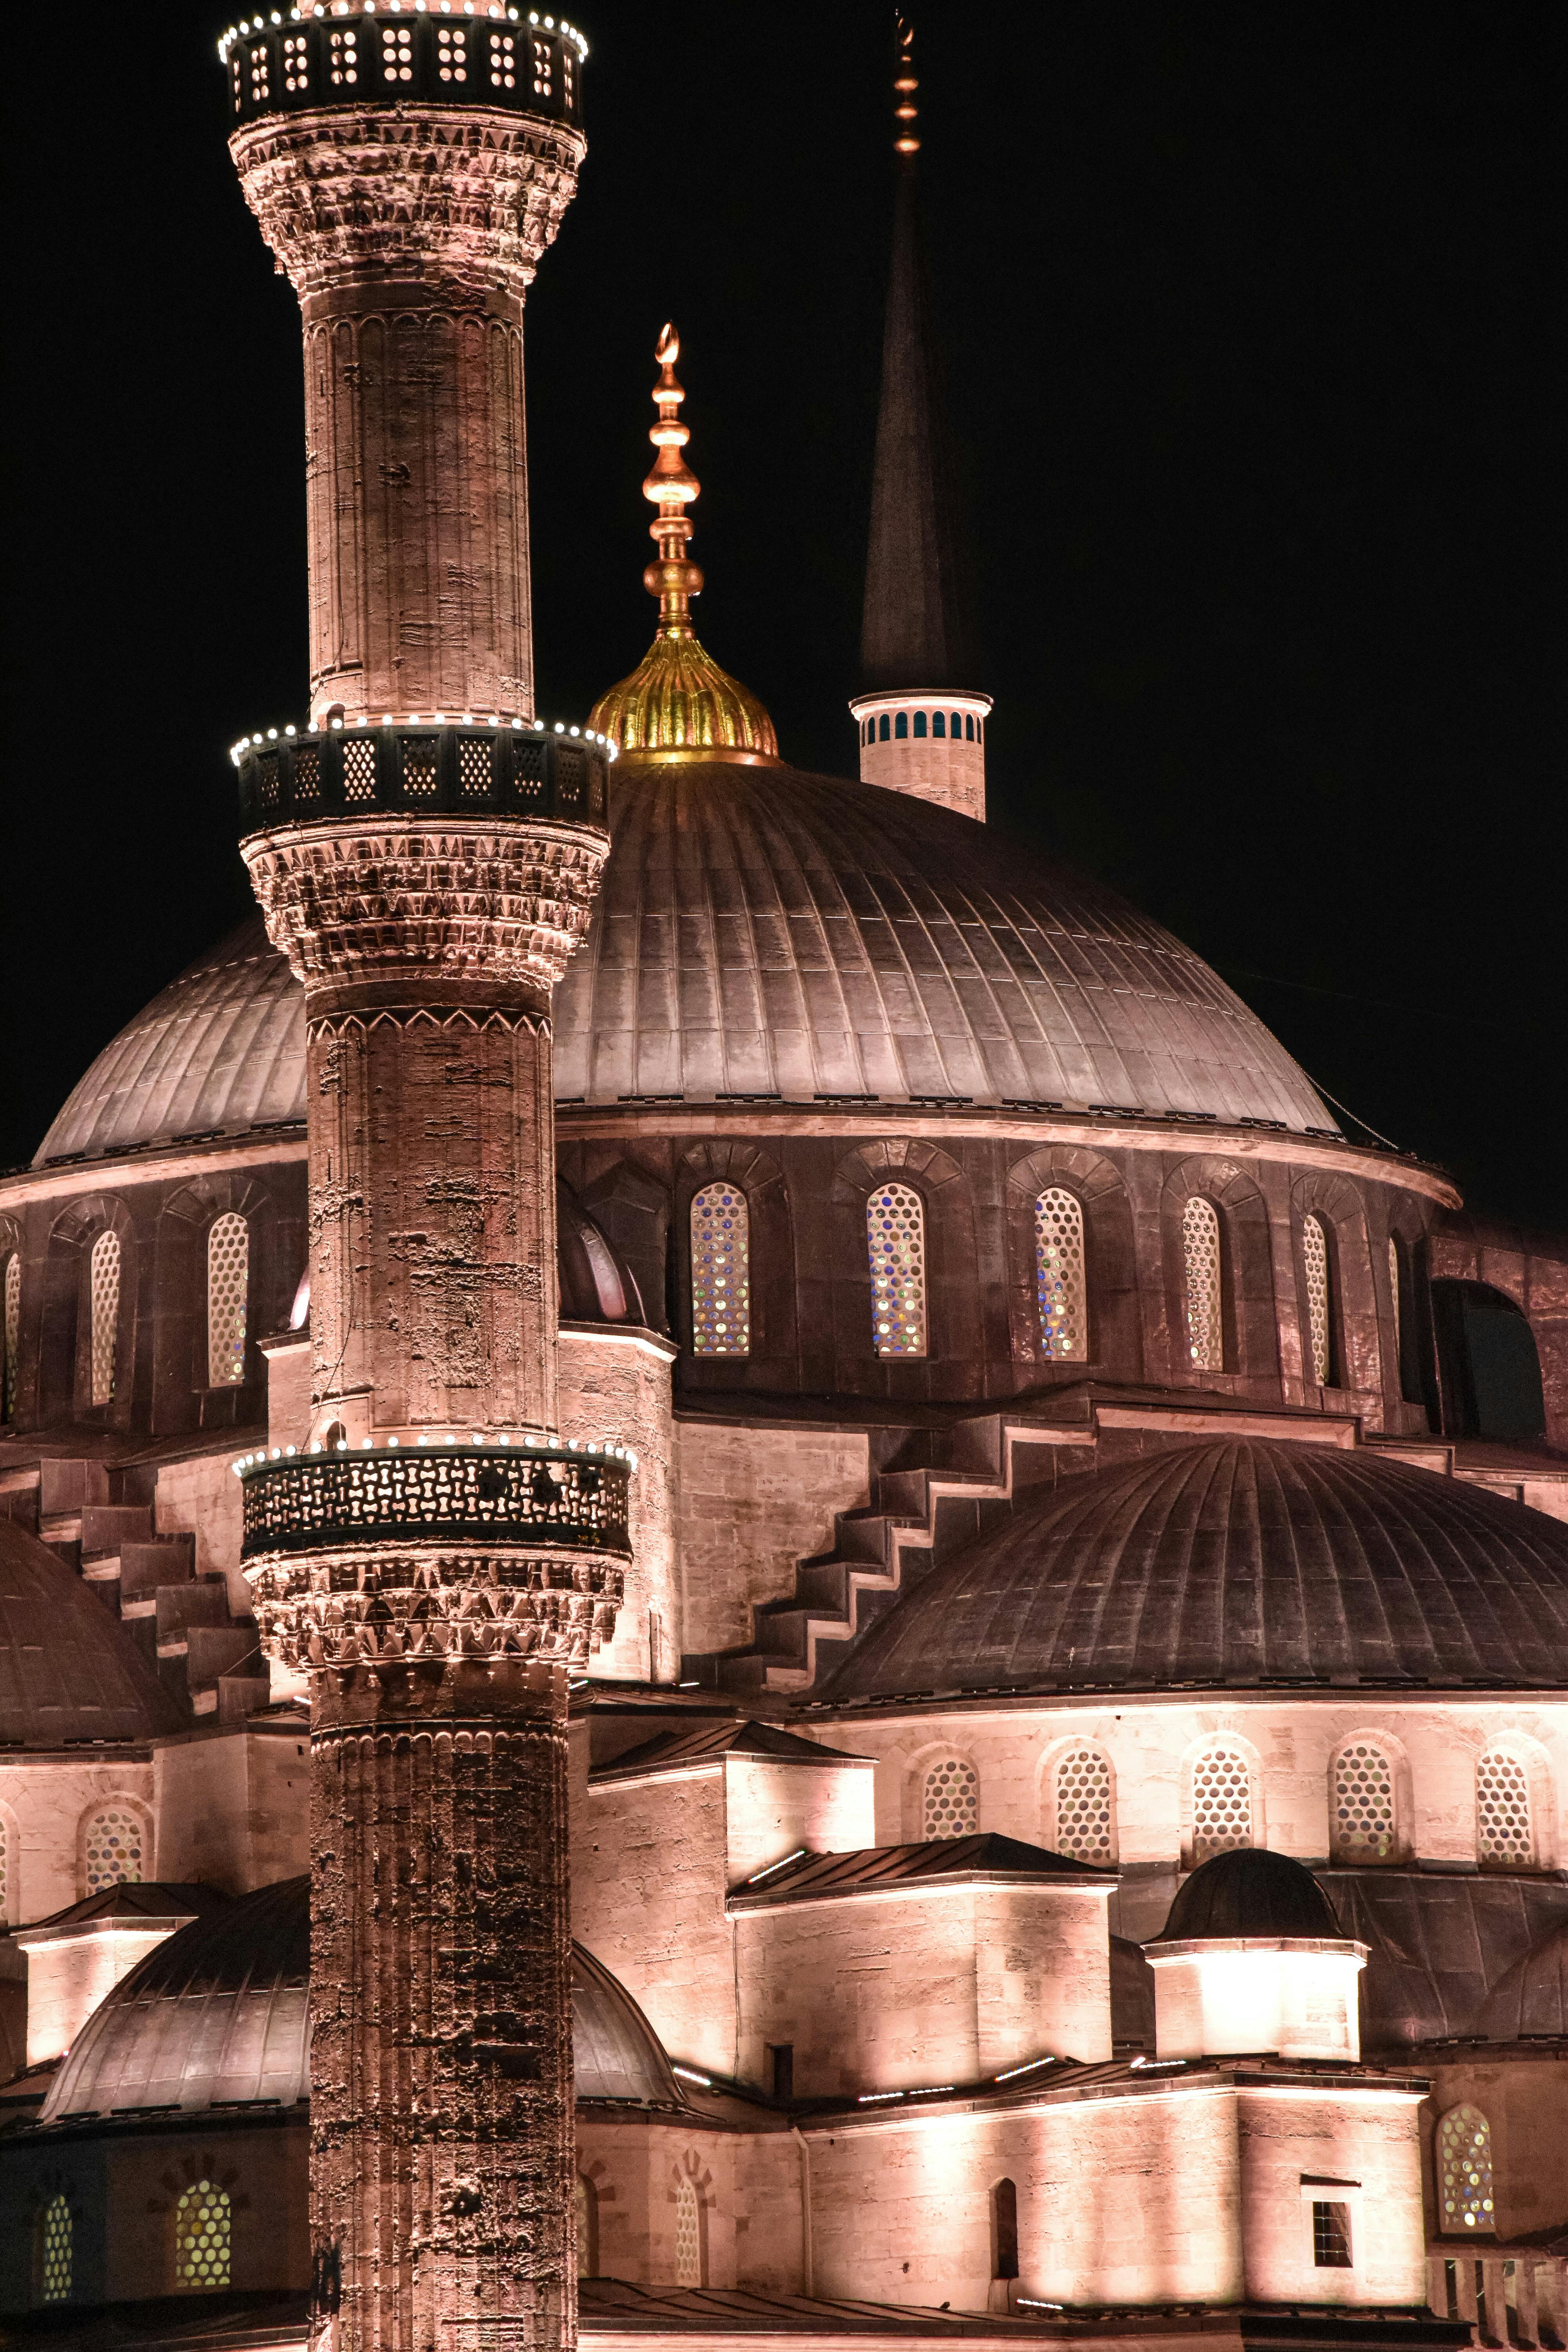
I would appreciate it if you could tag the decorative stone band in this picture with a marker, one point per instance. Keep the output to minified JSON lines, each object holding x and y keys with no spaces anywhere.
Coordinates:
{"x":427,"y":1607}
{"x":485,"y":56}
{"x":422,"y":1494}
{"x":436,"y":768}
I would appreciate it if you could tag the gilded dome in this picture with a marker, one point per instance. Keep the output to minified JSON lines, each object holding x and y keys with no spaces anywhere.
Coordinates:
{"x":680,"y":703}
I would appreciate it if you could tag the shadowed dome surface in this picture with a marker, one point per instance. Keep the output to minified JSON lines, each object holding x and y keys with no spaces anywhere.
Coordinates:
{"x":760,"y":931}
{"x":1250,"y":1892}
{"x":1236,"y":1562}
{"x":1533,"y":1999}
{"x":221,"y":2011}
{"x":69,"y":1670}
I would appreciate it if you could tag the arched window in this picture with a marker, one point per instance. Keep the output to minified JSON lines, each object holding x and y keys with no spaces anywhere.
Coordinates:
{"x":1319,"y":1299}
{"x":896,"y":1242}
{"x":920,"y":724}
{"x":938,"y":724}
{"x":112,"y":1849}
{"x":13,"y":1335}
{"x":969,"y":730}
{"x":950,"y":1799}
{"x":689,"y":2250}
{"x":901,"y":726}
{"x":882,"y":729}
{"x":203,"y":2238}
{"x":721,"y":1271}
{"x":54,"y":2250}
{"x":1395,"y":1288}
{"x":1505,"y":1837}
{"x":586,"y":2222}
{"x":104,"y":1288}
{"x":1222,"y":1803}
{"x":1465,"y":2172}
{"x":1085,"y":1827}
{"x":1060,"y":1285}
{"x":1005,"y":2230}
{"x":229,"y":1287}
{"x":1200,"y":1254}
{"x":1360,"y":1804}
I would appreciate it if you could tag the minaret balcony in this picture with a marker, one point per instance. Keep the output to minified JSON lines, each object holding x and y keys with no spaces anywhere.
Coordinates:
{"x":430,"y":767}
{"x":560,"y":1498}
{"x":471,"y":53}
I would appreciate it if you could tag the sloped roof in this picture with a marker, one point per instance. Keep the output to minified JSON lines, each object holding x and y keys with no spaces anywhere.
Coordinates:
{"x":674,"y":1751}
{"x":987,"y":1857}
{"x":135,"y":1901}
{"x":69,"y":1670}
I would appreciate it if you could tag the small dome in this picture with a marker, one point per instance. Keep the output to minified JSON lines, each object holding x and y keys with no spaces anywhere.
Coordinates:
{"x":1236,"y":1562}
{"x":1533,"y":1997}
{"x":1250,"y":1892}
{"x":69,"y":1670}
{"x":221,"y":2011}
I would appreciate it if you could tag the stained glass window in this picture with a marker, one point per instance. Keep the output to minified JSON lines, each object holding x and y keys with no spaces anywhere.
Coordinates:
{"x":895,"y":1236}
{"x":105,"y":1297}
{"x":1083,"y":1830}
{"x":203,"y":2247}
{"x":952,"y":1799}
{"x":1504,"y":1839}
{"x":1200,"y":1250}
{"x":1315,"y":1252}
{"x":1222,"y":1803}
{"x":1363,"y":1804}
{"x":687,"y":2235}
{"x":1058,"y":1274}
{"x":1464,"y":2171}
{"x":55,"y":2251}
{"x":13,"y":1333}
{"x":721,"y":1271}
{"x":113,"y":1844}
{"x":229,"y":1283}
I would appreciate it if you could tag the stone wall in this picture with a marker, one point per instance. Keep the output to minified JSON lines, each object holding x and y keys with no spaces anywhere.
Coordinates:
{"x":753,"y":1502}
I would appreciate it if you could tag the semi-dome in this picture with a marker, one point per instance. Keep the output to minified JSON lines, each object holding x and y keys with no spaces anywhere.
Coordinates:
{"x":1532,"y":2000}
{"x":1236,"y":1562}
{"x":69,"y":1671}
{"x":220,"y":2013}
{"x":1250,"y":1892}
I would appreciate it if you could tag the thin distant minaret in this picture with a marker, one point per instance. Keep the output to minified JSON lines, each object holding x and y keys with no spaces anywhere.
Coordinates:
{"x":921,"y":716}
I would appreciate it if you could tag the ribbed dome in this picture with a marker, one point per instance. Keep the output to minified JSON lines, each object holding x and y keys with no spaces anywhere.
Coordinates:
{"x":69,"y":1670}
{"x":1250,"y":1892}
{"x":1236,"y":1562}
{"x":221,"y":2011}
{"x":677,"y":698}
{"x":762,"y":932}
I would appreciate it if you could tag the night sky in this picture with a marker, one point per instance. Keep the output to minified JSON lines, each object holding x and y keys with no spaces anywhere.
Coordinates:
{"x":1248,"y":319}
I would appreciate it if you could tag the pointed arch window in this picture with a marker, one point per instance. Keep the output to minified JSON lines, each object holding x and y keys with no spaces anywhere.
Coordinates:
{"x":950,"y":1799}
{"x":1085,"y":1822}
{"x":203,"y":2237}
{"x":1059,"y":1285}
{"x":1464,"y":2173}
{"x":104,"y":1294}
{"x":12,"y":1334}
{"x":1318,"y":1259}
{"x":1222,"y":1803}
{"x":1200,"y":1260}
{"x":1505,"y":1833}
{"x":228,"y":1290}
{"x":896,"y":1244}
{"x":690,"y":2264}
{"x":54,"y":2250}
{"x":721,"y":1271}
{"x":1362,"y":1820}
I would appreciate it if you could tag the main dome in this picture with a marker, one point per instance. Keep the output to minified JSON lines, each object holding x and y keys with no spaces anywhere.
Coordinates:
{"x":762,"y":932}
{"x":1235,"y":1563}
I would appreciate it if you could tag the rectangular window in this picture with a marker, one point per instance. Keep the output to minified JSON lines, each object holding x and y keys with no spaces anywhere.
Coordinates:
{"x":1330,"y":2235}
{"x":781,"y":2057}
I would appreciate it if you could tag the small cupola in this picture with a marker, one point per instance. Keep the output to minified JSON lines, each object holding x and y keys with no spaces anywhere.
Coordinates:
{"x":1253,"y":1959}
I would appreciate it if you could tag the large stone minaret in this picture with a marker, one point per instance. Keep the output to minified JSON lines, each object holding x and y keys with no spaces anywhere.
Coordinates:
{"x":426,"y":852}
{"x":921,"y":717}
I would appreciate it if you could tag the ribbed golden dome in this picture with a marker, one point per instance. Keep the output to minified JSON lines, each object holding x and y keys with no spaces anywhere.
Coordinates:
{"x":678,"y":704}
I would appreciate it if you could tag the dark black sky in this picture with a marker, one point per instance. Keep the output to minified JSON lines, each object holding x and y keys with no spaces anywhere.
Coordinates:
{"x":1248,"y":317}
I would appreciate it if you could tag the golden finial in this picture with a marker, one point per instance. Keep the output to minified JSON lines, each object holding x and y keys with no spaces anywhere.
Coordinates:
{"x":678,"y":704}
{"x":905,"y":112}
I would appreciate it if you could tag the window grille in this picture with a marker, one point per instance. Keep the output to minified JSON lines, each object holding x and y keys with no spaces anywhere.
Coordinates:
{"x":452,"y":52}
{"x":503,"y":61}
{"x":952,"y":1799}
{"x":1330,"y":2234}
{"x":1200,"y":1251}
{"x":1394,"y":1299}
{"x":398,"y":52}
{"x":1084,"y":1825}
{"x":296,"y":62}
{"x":585,"y":2225}
{"x":1222,"y":1803}
{"x":104,"y":1286}
{"x":687,"y":2236}
{"x":721,"y":1271}
{"x":1315,"y":1251}
{"x":344,"y":64}
{"x":307,"y":772}
{"x":13,"y":1332}
{"x":55,"y":2251}
{"x":228,"y":1285}
{"x":895,"y":1233}
{"x":203,"y":2238}
{"x":359,"y":770}
{"x":541,"y":69}
{"x":474,"y":768}
{"x":1504,"y":1840}
{"x":113,"y":1849}
{"x":260,"y":84}
{"x":420,"y":767}
{"x":1465,"y":2170}
{"x":1058,"y":1274}
{"x":567,"y":90}
{"x":1362,"y":1822}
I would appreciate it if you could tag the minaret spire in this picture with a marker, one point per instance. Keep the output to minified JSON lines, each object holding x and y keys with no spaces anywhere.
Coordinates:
{"x":919,"y":664}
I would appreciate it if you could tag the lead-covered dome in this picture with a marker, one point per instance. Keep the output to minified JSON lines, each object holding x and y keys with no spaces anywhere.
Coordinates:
{"x":760,"y":931}
{"x":69,"y":1670}
{"x":220,"y":2013}
{"x":1236,"y":1562}
{"x":1252,"y":1892}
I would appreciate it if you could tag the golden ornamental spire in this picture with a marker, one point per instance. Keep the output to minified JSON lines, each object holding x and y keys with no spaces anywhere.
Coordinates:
{"x":678,"y":704}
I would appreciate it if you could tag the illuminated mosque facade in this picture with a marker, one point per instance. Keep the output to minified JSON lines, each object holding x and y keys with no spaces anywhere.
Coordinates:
{"x":749,"y":1588}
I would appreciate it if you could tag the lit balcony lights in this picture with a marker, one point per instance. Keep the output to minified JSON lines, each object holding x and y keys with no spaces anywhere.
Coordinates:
{"x":560,"y":728}
{"x":875,"y":2099}
{"x":1032,"y":2066}
{"x":768,"y":1872}
{"x":1032,"y":2302}
{"x":691,"y":2074}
